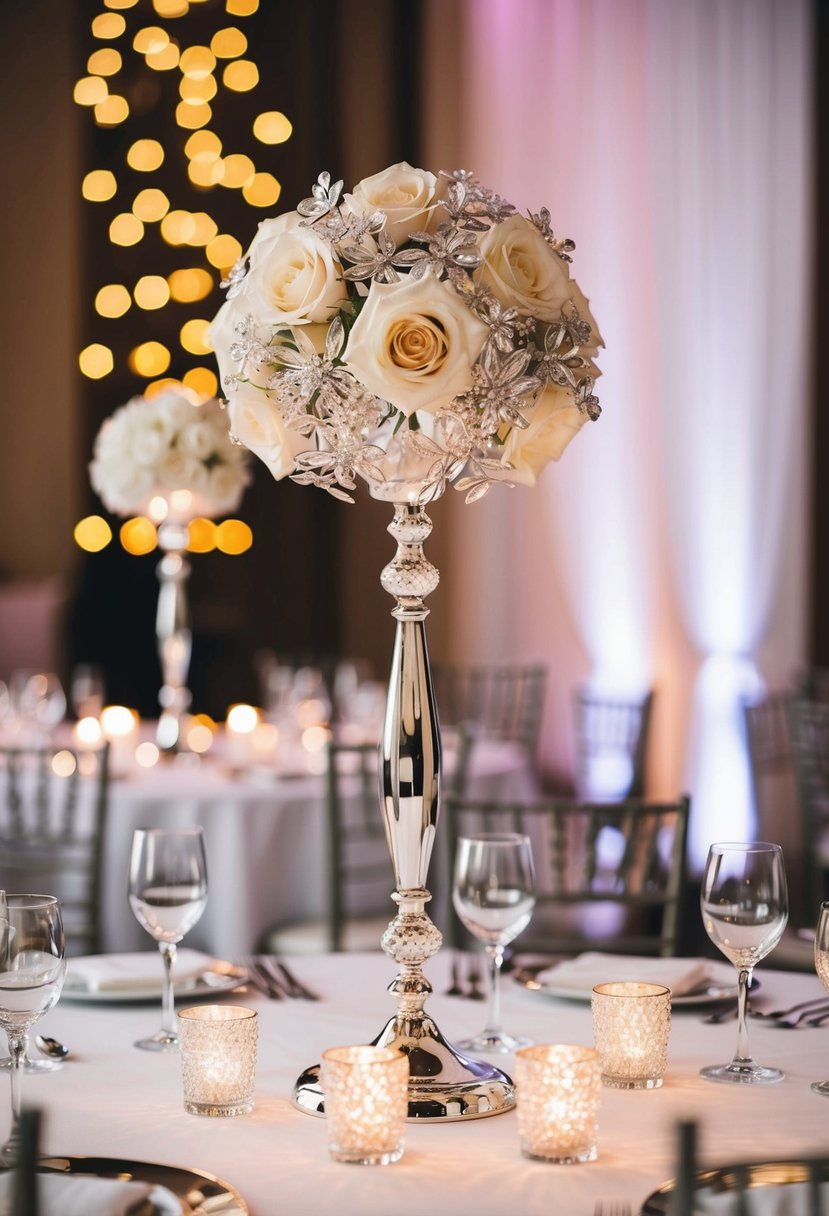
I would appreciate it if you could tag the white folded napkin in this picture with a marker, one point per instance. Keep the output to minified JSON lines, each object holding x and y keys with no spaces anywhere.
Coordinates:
{"x":64,"y":1195}
{"x":132,"y":972}
{"x":681,"y":975}
{"x":791,"y":1200}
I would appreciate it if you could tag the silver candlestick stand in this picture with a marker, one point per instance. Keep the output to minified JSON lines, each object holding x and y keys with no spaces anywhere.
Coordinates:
{"x":172,"y":628}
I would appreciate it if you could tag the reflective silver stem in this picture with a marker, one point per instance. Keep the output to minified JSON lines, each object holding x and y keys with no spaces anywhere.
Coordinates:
{"x":443,"y":1084}
{"x":172,"y":628}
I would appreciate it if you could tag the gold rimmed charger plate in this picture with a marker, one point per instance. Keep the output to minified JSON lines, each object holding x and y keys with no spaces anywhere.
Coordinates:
{"x":730,"y":1178}
{"x":197,"y":1191}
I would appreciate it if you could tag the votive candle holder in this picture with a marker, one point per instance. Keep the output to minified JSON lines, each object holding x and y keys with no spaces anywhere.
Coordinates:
{"x":558,"y":1091}
{"x":218,"y":1046}
{"x":631,"y":1026}
{"x":366,"y":1103}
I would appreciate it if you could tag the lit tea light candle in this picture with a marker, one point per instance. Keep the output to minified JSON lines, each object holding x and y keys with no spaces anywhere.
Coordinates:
{"x":366,"y":1103}
{"x":218,"y":1059}
{"x":240,"y":724}
{"x":87,"y":732}
{"x":558,"y":1090}
{"x":120,"y":726}
{"x":631,"y":1025}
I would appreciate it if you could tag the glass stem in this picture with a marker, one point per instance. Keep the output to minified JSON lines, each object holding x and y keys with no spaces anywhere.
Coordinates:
{"x":496,"y":958}
{"x":742,"y":1055}
{"x":168,"y":953}
{"x":17,"y":1052}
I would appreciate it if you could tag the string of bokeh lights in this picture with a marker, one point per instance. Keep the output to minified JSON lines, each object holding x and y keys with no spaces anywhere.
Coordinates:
{"x":136,"y":203}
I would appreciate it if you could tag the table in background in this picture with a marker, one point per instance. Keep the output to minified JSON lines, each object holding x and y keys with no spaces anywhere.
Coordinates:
{"x":112,"y":1100}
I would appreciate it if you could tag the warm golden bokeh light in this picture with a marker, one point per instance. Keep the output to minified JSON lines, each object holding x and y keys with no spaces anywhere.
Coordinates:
{"x":99,"y":185}
{"x":177,"y":227}
{"x":105,"y":62}
{"x":147,"y":754}
{"x":204,"y":228}
{"x":63,"y":763}
{"x":223,"y":251}
{"x":138,"y":536}
{"x":197,"y":62}
{"x":95,"y":361}
{"x":163,"y":60}
{"x":149,"y":359}
{"x":150,"y":40}
{"x":151,"y":291}
{"x":172,"y":8}
{"x":262,"y":190}
{"x":118,"y":721}
{"x":120,"y":3}
{"x":241,"y":75}
{"x":126,"y":229}
{"x":199,"y":738}
{"x":205,"y":173}
{"x":113,"y":300}
{"x":238,"y":170}
{"x":190,"y":284}
{"x":203,"y":146}
{"x":108,"y":25}
{"x":88,"y":730}
{"x":150,"y":205}
{"x":111,"y":111}
{"x":90,"y":91}
{"x":92,"y":534}
{"x":192,"y":115}
{"x":228,"y":43}
{"x":272,"y":127}
{"x":145,"y":155}
{"x":193,"y":336}
{"x":241,"y":718}
{"x":233,"y":536}
{"x":241,"y":8}
{"x":160,"y":386}
{"x":202,"y":381}
{"x":201,"y":535}
{"x":198,"y":90}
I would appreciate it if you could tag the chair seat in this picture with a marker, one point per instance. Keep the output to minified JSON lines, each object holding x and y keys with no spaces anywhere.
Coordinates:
{"x":312,"y":937}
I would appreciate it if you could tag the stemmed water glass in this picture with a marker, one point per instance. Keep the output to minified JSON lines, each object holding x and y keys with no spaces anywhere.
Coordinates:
{"x":494,"y":896}
{"x":822,"y":968}
{"x":745,"y":907}
{"x":32,"y":968}
{"x":168,"y":893}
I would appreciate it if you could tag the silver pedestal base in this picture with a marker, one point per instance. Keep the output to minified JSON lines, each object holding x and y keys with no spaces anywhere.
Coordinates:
{"x":443,"y":1083}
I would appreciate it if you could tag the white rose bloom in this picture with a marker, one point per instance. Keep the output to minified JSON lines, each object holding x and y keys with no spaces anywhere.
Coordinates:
{"x":293,"y":277}
{"x":148,"y":445}
{"x":178,"y":471}
{"x":199,"y":439}
{"x":125,"y":488}
{"x":523,"y":270}
{"x":224,"y":488}
{"x":174,"y":408}
{"x":257,"y":423}
{"x":554,"y":420}
{"x":403,"y":192}
{"x":414,"y":344}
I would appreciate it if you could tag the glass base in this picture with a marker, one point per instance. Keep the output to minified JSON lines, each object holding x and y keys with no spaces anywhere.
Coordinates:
{"x":747,"y":1073}
{"x":354,"y":1157}
{"x":631,"y":1082}
{"x":164,"y":1040}
{"x":553,"y":1158}
{"x":225,"y":1111}
{"x":34,"y":1066}
{"x":494,"y":1040}
{"x":820,"y":1087}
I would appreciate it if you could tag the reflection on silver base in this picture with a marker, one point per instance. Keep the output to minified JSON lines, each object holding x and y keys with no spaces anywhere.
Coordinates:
{"x":443,"y":1083}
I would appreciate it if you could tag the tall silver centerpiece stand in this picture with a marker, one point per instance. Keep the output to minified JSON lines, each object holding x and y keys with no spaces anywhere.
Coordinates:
{"x":443,"y":1083}
{"x":173,"y":634}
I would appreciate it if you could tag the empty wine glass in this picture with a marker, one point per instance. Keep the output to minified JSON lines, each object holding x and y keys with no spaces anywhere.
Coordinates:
{"x":745,"y":907}
{"x":32,"y":968}
{"x":822,"y":968}
{"x":168,"y":893}
{"x":494,"y":896}
{"x":38,"y":702}
{"x":86,"y":690}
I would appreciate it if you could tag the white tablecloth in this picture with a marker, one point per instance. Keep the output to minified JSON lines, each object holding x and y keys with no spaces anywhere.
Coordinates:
{"x":113,"y":1100}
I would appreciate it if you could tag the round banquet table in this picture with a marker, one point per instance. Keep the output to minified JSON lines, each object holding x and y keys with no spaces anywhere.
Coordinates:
{"x":113,"y":1100}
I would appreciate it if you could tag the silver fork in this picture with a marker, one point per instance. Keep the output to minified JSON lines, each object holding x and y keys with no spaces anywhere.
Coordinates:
{"x":612,"y":1208}
{"x":811,"y":1017}
{"x":262,"y":978}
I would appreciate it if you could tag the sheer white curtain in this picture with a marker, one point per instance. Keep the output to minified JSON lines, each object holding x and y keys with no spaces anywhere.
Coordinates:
{"x":670,"y":140}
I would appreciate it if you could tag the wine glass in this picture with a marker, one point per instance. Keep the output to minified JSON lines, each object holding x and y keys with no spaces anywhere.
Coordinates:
{"x":86,"y":690}
{"x":168,"y":893}
{"x":744,"y":909}
{"x":38,"y":702}
{"x":494,"y":896}
{"x":32,"y":968}
{"x":822,"y":968}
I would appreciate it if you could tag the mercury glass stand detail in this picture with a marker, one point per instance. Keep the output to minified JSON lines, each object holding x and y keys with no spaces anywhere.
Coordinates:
{"x":443,"y":1083}
{"x":173,"y":634}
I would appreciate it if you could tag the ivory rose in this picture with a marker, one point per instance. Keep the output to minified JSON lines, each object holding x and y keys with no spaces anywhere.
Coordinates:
{"x":523,"y":270}
{"x":403,"y":192}
{"x":294,"y":278}
{"x":554,"y":420}
{"x":257,"y":423}
{"x":414,"y":344}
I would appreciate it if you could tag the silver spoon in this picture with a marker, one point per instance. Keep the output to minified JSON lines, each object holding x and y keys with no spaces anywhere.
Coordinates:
{"x":51,"y":1047}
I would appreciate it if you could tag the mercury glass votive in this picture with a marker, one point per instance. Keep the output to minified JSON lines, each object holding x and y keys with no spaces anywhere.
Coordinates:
{"x":558,"y":1090}
{"x":366,"y":1103}
{"x":631,"y":1025}
{"x":218,"y":1059}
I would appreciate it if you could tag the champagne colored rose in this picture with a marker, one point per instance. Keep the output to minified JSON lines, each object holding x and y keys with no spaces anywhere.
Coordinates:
{"x":294,"y":278}
{"x":403,"y":192}
{"x":522,"y":269}
{"x":554,"y":420}
{"x":257,"y":423}
{"x":414,"y":344}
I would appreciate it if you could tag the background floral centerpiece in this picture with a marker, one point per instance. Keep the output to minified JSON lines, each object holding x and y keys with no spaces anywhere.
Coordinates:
{"x":151,"y":448}
{"x":417,"y":325}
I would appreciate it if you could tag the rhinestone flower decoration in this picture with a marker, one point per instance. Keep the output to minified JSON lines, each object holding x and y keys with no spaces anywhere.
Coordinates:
{"x":417,"y":329}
